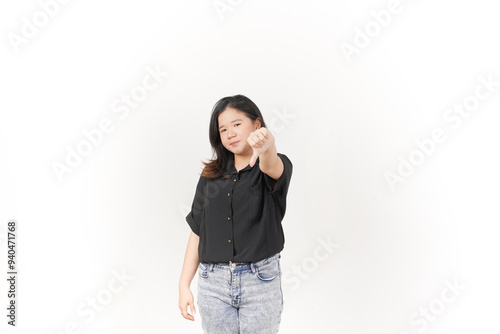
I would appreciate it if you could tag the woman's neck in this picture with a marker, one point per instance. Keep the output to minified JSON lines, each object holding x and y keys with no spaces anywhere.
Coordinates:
{"x":241,"y":162}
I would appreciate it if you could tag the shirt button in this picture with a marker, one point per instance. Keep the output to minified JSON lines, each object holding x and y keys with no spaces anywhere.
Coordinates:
{"x":229,"y":241}
{"x":228,"y":194}
{"x":228,"y":218}
{"x":234,"y":180}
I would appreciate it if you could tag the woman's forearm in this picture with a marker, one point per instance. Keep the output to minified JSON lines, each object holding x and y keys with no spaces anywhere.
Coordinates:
{"x":191,"y":261}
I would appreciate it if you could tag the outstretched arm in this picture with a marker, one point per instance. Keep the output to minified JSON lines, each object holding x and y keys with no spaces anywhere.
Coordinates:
{"x":263,"y":145}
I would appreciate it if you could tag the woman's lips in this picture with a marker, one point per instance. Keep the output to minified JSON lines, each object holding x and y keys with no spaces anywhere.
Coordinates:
{"x":236,"y":142}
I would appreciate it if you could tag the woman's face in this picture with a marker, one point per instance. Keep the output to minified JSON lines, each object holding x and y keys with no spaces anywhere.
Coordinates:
{"x":234,"y":128}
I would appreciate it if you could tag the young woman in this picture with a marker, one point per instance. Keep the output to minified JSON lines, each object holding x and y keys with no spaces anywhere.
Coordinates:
{"x":235,"y":220}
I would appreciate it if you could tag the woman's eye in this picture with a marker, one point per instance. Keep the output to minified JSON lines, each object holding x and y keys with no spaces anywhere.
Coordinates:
{"x":225,"y":129}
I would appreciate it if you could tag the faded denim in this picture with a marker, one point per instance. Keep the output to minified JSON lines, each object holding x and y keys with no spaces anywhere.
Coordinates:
{"x":240,"y":298}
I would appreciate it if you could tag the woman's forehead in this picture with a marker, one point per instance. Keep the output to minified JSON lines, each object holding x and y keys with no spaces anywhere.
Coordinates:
{"x":230,"y":115}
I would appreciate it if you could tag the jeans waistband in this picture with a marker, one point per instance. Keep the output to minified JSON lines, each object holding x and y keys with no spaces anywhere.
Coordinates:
{"x":242,"y":265}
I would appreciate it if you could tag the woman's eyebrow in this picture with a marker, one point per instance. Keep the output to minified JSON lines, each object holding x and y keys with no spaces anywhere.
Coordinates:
{"x":239,"y":119}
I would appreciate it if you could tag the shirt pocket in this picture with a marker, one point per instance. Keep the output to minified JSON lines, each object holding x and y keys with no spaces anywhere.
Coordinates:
{"x":256,"y":190}
{"x":255,"y":203}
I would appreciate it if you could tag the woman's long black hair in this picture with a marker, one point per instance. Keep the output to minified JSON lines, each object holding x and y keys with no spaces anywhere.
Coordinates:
{"x":216,"y":167}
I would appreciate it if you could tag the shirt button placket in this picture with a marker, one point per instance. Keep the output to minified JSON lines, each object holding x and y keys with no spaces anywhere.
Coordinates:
{"x":230,"y":205}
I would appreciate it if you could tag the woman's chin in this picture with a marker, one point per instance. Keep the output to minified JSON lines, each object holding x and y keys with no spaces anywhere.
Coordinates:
{"x":236,"y":150}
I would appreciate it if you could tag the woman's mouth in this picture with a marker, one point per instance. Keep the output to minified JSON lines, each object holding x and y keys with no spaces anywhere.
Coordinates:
{"x":235,"y":143}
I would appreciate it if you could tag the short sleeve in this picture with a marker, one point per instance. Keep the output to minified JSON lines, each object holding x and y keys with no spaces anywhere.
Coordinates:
{"x":195,"y":216}
{"x":280,"y":189}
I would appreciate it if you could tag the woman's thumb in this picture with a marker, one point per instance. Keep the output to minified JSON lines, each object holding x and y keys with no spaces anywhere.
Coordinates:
{"x":193,"y":309}
{"x":254,"y":157}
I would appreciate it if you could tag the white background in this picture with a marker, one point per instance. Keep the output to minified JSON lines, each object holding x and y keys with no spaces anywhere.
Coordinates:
{"x":350,"y":121}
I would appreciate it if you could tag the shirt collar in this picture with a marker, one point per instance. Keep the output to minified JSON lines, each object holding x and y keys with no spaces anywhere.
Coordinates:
{"x":230,"y":168}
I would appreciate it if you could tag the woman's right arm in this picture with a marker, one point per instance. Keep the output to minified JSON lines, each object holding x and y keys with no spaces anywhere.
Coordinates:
{"x":189,"y":269}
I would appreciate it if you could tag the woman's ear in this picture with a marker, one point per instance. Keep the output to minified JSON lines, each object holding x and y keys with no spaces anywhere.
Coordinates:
{"x":257,"y":123}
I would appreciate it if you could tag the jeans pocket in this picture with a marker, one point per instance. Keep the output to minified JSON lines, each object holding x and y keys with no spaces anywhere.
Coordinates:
{"x":202,"y":270}
{"x":268,"y":271}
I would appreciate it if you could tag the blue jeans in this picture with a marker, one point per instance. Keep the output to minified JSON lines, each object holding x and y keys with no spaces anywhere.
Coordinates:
{"x":240,"y":298}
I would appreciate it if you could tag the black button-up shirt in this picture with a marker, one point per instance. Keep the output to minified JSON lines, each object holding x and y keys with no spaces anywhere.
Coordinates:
{"x":239,"y":218}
